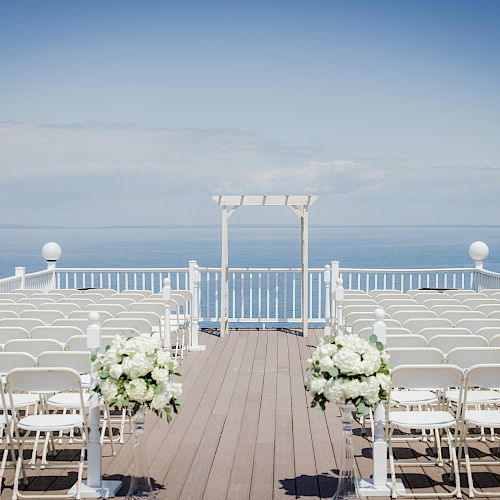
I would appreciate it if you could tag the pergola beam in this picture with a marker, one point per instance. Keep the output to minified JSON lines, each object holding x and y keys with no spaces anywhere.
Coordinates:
{"x":299,"y":204}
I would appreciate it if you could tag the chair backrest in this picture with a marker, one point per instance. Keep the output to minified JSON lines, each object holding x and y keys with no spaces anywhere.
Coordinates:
{"x":495,"y":341}
{"x":469,"y":295}
{"x":65,"y":292}
{"x":429,"y":376}
{"x":123,"y":301}
{"x":405,"y":341}
{"x":440,"y":302}
{"x":78,"y":360}
{"x":418,"y":324}
{"x":446,"y":343}
{"x":419,"y":291}
{"x":33,"y":346}
{"x":17,"y":307}
{"x":34,"y":301}
{"x":82,"y":302}
{"x":80,"y":323}
{"x":494,"y":315}
{"x":456,"y":316}
{"x":12,"y":296}
{"x":112,"y":309}
{"x":361,"y":324}
{"x":397,"y":300}
{"x":121,"y":331}
{"x":487,"y":309}
{"x":11,"y":360}
{"x":137,"y":297}
{"x":495,"y":295}
{"x":140,"y":324}
{"x":8,"y":314}
{"x":476,"y":324}
{"x":27,"y":323}
{"x":485,"y":376}
{"x":48,"y":317}
{"x":12,"y":333}
{"x":66,"y":308}
{"x":423,"y":296}
{"x":490,"y":291}
{"x":481,"y":302}
{"x":52,"y":296}
{"x":96,"y":297}
{"x":354,"y":301}
{"x":366,"y":308}
{"x":429,"y":333}
{"x":405,"y":315}
{"x":157,"y":307}
{"x":144,"y":293}
{"x":24,"y":292}
{"x":466,"y":357}
{"x":44,"y":380}
{"x":382,"y":294}
{"x":438,"y":309}
{"x":79,"y":343}
{"x":152,"y":317}
{"x":392,"y":309}
{"x":460,"y":291}
{"x":488,"y":332}
{"x":59,"y":333}
{"x":84,"y":314}
{"x":414,"y":356}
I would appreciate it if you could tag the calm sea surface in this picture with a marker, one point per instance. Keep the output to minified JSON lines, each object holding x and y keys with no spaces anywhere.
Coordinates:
{"x":249,"y":247}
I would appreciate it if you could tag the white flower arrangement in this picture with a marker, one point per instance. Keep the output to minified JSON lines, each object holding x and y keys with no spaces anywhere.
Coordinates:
{"x":135,"y":372}
{"x":347,"y":368}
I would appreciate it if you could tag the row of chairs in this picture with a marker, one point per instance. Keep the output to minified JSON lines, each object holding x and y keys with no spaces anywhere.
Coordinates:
{"x":449,"y":403}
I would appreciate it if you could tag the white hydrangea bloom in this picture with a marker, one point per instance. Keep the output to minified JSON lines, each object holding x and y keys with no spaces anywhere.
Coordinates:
{"x":137,"y":390}
{"x":316,"y":385}
{"x":333,"y":391}
{"x":137,"y":365}
{"x":325,"y":363}
{"x":109,"y":389}
{"x":116,"y":370}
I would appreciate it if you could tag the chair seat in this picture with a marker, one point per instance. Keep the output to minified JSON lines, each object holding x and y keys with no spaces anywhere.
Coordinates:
{"x":21,"y":400}
{"x":413,"y":397}
{"x":52,"y":422}
{"x":422,"y":419}
{"x":486,"y":418}
{"x":68,"y":400}
{"x":475,"y":397}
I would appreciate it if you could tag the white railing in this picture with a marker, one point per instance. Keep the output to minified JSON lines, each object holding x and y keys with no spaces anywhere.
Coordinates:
{"x":11,"y":283}
{"x":41,"y":280}
{"x":122,"y":278}
{"x":261,"y":295}
{"x":406,"y":279}
{"x":486,"y":279}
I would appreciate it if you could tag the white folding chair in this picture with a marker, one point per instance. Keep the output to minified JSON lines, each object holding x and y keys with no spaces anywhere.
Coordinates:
{"x":416,"y":325}
{"x":403,"y":315}
{"x":106,"y":292}
{"x":82,"y":302}
{"x":436,"y":417}
{"x":460,"y":292}
{"x":112,"y":309}
{"x":130,"y":295}
{"x":36,"y":301}
{"x":142,"y":293}
{"x":382,"y":294}
{"x":64,"y":292}
{"x":8,"y":314}
{"x":361,"y":324}
{"x":485,"y":377}
{"x":123,"y":301}
{"x":13,"y":333}
{"x":12,"y":296}
{"x":66,"y":308}
{"x":494,"y":315}
{"x":47,"y":381}
{"x":33,"y":346}
{"x":487,"y":309}
{"x":456,"y":316}
{"x":424,"y":296}
{"x":17,"y":307}
{"x":140,"y":324}
{"x":80,"y":323}
{"x":79,"y":342}
{"x":25,"y":292}
{"x":438,"y":309}
{"x":429,"y":333}
{"x":474,"y":325}
{"x":60,"y":333}
{"x":26,"y":323}
{"x":152,"y":317}
{"x":405,"y":341}
{"x":84,"y":314}
{"x":48,"y":316}
{"x":445,"y":343}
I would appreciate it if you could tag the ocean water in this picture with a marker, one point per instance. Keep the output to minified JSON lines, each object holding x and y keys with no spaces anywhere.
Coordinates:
{"x":393,"y":247}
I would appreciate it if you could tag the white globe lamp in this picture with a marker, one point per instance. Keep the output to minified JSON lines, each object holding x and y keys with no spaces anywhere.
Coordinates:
{"x":51,"y":252}
{"x":478,"y":251}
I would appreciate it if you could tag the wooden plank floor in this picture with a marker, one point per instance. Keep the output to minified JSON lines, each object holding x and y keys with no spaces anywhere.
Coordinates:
{"x":246,"y":431}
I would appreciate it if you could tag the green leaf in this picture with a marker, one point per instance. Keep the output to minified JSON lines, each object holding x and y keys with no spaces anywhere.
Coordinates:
{"x":334,"y":372}
{"x":379,"y":346}
{"x":373,"y":339}
{"x":104,"y":374}
{"x":329,"y":339}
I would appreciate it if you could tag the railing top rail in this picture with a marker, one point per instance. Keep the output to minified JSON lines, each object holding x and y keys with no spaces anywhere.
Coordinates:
{"x":262,"y":269}
{"x":120,"y":269}
{"x":39,"y":273}
{"x":9,"y":279}
{"x":406,"y":270}
{"x":488,"y":273}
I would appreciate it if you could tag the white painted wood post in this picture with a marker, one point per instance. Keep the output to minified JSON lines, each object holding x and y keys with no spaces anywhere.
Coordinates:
{"x":478,"y":251}
{"x":166,"y":293}
{"x":195,"y":307}
{"x":51,"y":252}
{"x":339,"y":306}
{"x":378,"y":486}
{"x":224,"y":314}
{"x":20,"y":272}
{"x":328,"y":299}
{"x":94,"y":486}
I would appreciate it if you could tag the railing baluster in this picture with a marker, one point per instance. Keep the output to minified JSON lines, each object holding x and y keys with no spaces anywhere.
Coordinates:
{"x":250,"y":284}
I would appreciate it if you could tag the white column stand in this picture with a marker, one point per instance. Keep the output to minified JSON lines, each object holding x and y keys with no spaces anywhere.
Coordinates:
{"x":195,"y":311}
{"x":51,"y":252}
{"x":94,"y":486}
{"x":378,"y":485}
{"x":328,"y":319}
{"x":167,"y":334}
{"x":20,"y":272}
{"x":339,"y":306}
{"x":478,"y":251}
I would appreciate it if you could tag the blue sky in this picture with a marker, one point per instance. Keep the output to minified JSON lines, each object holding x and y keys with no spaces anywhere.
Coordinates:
{"x":122,"y":112}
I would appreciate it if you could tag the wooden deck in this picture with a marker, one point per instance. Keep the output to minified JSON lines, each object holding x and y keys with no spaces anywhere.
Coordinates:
{"x":246,"y":430}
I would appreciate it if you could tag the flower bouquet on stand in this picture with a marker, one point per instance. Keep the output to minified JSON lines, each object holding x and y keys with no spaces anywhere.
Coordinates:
{"x":135,"y":374}
{"x":353,"y":373}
